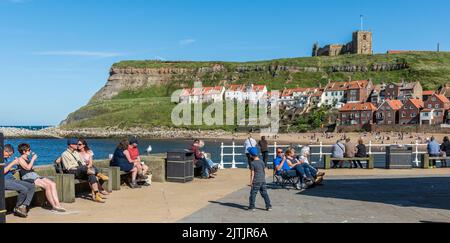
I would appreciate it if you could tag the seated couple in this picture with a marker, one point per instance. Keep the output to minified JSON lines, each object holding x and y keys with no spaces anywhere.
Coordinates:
{"x":209,"y":168}
{"x":289,"y":165}
{"x":78,"y":161}
{"x":128,"y":159}
{"x":29,"y":179}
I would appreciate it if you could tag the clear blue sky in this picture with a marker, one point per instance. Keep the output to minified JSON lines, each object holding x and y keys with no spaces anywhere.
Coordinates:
{"x":55,"y":54}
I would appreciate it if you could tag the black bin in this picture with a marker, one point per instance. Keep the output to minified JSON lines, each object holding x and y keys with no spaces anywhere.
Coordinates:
{"x":2,"y":182}
{"x":180,"y":166}
{"x":399,"y":157}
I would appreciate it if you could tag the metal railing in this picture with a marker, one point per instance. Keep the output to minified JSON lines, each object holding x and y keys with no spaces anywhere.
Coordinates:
{"x":416,"y":152}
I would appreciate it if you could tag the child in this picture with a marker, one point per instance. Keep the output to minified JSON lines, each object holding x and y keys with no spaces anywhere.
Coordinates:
{"x":258,"y":180}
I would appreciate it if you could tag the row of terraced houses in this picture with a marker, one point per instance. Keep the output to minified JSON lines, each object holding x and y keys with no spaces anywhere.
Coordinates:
{"x":359,"y":103}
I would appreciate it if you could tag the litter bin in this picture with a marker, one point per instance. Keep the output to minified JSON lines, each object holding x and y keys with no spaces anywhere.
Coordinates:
{"x":399,"y":157}
{"x":180,"y":166}
{"x":2,"y":183}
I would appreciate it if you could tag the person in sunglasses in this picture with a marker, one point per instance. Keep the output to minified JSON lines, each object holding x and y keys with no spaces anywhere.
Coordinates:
{"x":87,"y":155}
{"x":26,"y":161}
{"x":75,"y":165}
{"x":25,"y":189}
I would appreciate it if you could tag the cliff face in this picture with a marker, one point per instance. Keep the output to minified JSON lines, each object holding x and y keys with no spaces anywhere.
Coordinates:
{"x":119,"y":102}
{"x":131,"y":79}
{"x":136,"y":78}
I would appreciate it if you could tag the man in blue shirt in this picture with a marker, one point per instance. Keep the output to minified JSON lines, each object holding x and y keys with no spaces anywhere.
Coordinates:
{"x":26,"y":190}
{"x":434,"y":150}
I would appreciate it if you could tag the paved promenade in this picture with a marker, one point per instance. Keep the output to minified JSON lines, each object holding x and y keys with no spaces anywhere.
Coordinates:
{"x":347,"y":196}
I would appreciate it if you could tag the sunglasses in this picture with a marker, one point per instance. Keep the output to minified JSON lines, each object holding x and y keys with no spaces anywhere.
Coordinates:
{"x":80,"y":144}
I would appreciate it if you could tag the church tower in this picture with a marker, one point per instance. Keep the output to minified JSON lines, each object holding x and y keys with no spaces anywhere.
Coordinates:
{"x":362,"y":42}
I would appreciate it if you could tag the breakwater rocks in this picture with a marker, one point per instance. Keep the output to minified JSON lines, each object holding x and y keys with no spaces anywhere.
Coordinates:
{"x":154,"y":133}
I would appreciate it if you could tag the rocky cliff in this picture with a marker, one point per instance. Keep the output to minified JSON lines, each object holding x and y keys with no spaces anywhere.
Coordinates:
{"x":135,"y":91}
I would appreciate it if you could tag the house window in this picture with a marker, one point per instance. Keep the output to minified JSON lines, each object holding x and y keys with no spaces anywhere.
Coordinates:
{"x":433,"y":99}
{"x":389,"y":115}
{"x":344,"y":116}
{"x":426,"y":114}
{"x":437,"y":106}
{"x":437,"y":114}
{"x":403,"y":114}
{"x":413,"y":115}
{"x":357,"y":115}
{"x":430,"y":106}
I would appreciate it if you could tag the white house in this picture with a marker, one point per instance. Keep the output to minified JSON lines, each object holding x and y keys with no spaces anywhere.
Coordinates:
{"x":213,"y":94}
{"x":235,"y":93}
{"x":334,"y":95}
{"x":185,"y":96}
{"x":287,"y":97}
{"x":255,"y":93}
{"x":302,"y":96}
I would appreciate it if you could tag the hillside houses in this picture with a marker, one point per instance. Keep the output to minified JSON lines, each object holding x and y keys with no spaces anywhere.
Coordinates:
{"x":359,"y":103}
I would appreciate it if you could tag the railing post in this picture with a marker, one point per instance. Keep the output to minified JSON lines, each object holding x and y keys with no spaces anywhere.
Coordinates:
{"x":321,"y":152}
{"x":233,"y":164}
{"x":275,"y":150}
{"x":417,"y":161}
{"x":222,"y":166}
{"x":370,"y":147}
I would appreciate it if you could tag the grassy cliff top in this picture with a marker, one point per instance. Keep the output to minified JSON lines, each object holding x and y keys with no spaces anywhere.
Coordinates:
{"x":416,"y":59}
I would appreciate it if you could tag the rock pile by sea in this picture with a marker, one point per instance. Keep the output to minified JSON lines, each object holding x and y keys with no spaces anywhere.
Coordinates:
{"x":111,"y":132}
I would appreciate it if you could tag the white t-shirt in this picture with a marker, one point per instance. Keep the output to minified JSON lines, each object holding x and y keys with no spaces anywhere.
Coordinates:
{"x":249,"y":143}
{"x":304,"y":159}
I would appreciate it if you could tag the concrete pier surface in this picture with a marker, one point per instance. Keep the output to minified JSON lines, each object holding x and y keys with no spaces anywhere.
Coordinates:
{"x":347,"y":196}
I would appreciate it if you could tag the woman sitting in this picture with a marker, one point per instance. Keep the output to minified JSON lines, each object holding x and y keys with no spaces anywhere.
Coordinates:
{"x":302,"y":170}
{"x":87,"y":155}
{"x":29,"y":175}
{"x":122,"y":159}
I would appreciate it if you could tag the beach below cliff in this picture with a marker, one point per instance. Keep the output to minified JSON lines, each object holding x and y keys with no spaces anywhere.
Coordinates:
{"x":219,"y":135}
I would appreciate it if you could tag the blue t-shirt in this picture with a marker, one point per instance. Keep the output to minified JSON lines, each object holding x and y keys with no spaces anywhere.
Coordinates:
{"x":277,"y":163}
{"x":434,"y":148}
{"x":10,"y":174}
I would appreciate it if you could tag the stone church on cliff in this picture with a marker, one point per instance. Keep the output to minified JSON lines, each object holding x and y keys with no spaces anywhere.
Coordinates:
{"x":360,"y":44}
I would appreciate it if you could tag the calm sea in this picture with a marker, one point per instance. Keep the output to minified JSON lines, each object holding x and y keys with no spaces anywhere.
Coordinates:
{"x":50,"y":149}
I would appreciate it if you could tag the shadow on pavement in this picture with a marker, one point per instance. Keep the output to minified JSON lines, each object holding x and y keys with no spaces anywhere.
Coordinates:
{"x":431,"y":192}
{"x":231,"y":205}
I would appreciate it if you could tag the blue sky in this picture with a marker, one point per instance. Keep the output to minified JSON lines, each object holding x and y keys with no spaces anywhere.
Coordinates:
{"x":55,"y":54}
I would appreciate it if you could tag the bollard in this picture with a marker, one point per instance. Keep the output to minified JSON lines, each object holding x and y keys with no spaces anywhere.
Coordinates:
{"x":2,"y":183}
{"x":327,"y":162}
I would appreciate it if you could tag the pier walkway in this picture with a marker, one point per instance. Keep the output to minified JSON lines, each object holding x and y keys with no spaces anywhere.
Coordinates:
{"x":348,"y":196}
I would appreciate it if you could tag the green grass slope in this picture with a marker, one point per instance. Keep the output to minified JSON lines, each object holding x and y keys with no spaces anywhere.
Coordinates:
{"x":149,"y":107}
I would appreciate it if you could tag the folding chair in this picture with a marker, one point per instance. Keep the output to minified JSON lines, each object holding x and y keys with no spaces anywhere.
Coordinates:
{"x":285,"y":179}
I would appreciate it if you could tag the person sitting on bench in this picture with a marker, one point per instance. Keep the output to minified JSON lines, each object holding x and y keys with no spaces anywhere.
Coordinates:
{"x":445,"y":150}
{"x":29,"y":175}
{"x":25,"y":189}
{"x":361,"y":153}
{"x":122,"y":159}
{"x":214,"y":166}
{"x":143,"y":169}
{"x":75,"y":165}
{"x":88,"y":156}
{"x":434,"y":150}
{"x":200,"y":160}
